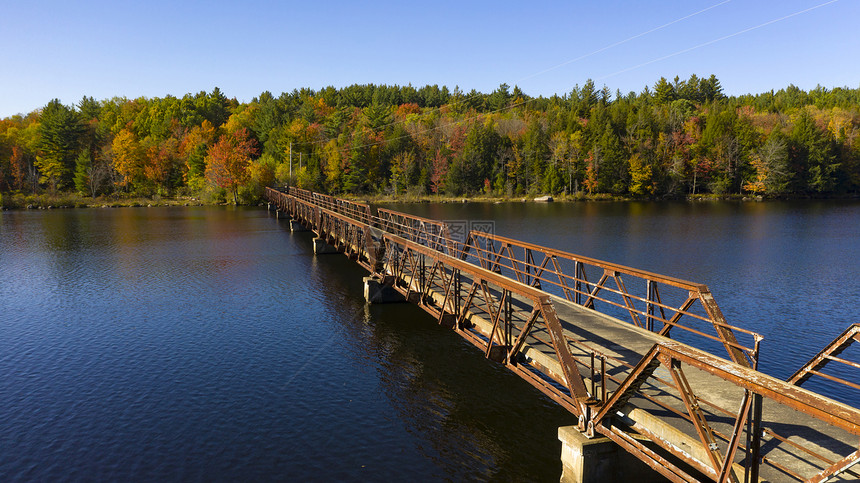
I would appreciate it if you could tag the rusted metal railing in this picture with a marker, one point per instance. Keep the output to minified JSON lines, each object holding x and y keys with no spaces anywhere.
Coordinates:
{"x":830,"y":354}
{"x":434,"y":234}
{"x":690,"y":415}
{"x":353,"y":209}
{"x":694,"y":308}
{"x":751,"y":388}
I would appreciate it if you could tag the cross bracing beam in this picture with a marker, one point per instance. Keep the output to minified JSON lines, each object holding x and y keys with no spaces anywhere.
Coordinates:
{"x":659,"y":403}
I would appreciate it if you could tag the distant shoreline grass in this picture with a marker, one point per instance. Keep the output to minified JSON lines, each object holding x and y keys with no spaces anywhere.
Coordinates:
{"x":19,"y":201}
{"x":566,"y":198}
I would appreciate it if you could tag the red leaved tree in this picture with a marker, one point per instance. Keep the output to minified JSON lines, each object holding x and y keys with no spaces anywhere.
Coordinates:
{"x":440,"y":172}
{"x":19,"y":167}
{"x":227,"y":161}
{"x":590,"y":174}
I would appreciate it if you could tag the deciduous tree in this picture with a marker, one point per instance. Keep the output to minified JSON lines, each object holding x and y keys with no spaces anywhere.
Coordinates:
{"x":127,"y":157}
{"x":18,"y":167}
{"x":641,"y":183}
{"x":227,"y":161}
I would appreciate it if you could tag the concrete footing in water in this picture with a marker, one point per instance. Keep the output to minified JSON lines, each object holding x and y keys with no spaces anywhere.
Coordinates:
{"x":596,"y":460}
{"x":322,"y":248}
{"x":377,"y":291}
{"x":295,"y":226}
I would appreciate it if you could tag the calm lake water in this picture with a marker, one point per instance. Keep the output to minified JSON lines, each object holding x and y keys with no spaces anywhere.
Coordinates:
{"x":211,"y":344}
{"x":203,"y":343}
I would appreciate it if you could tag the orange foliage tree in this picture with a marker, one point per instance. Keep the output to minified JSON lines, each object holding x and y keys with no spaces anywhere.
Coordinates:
{"x":127,"y":157}
{"x":193,"y":148}
{"x":227,"y":161}
{"x":160,"y":161}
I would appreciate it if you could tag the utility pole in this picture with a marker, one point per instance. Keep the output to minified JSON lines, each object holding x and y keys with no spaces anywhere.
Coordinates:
{"x":291,"y":161}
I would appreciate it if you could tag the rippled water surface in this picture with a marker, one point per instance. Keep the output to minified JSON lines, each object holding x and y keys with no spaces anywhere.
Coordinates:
{"x":211,"y":344}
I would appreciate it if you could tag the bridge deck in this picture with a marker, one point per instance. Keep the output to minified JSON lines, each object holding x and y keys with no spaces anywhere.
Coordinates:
{"x":588,"y":331}
{"x":629,"y":343}
{"x":681,"y":410}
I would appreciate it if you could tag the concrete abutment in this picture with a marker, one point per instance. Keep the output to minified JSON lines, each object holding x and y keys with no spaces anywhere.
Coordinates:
{"x":321,"y":247}
{"x":295,"y":226}
{"x":378,"y":290}
{"x":599,"y":460}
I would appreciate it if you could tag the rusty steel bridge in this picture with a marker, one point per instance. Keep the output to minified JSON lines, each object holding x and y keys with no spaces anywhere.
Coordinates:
{"x":595,"y":336}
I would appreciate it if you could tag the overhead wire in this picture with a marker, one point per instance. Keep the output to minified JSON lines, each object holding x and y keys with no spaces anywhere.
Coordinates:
{"x":725,"y":37}
{"x":621,"y":42}
{"x":595,"y":52}
{"x":581,"y":57}
{"x":603,"y":49}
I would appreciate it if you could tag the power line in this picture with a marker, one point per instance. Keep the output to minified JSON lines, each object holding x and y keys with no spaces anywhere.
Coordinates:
{"x":710,"y":42}
{"x":628,"y":39}
{"x":683,"y":51}
{"x":581,"y":57}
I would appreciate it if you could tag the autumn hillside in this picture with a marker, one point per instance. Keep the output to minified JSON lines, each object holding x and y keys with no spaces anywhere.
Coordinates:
{"x":675,"y":139}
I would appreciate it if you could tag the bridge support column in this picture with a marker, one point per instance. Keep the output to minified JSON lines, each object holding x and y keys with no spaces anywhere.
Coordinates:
{"x":295,"y":226}
{"x":321,"y":247}
{"x":376,"y":291}
{"x":595,"y":460}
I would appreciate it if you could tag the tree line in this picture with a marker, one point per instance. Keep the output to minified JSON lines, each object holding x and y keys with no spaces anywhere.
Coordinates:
{"x":673,"y":139}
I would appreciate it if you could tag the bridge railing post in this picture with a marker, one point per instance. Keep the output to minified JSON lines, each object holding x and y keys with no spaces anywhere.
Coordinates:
{"x":558,"y":365}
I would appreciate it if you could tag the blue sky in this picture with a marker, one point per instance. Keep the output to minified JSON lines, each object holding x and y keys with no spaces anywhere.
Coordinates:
{"x":66,"y":50}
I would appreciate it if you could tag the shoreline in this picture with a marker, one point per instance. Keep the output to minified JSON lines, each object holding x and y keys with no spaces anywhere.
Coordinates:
{"x":60,"y":201}
{"x":598,"y":198}
{"x":50,"y":202}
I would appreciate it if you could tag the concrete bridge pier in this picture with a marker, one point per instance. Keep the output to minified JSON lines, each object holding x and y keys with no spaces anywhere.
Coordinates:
{"x":377,"y":291}
{"x":599,"y":459}
{"x":321,"y":247}
{"x":296,"y":227}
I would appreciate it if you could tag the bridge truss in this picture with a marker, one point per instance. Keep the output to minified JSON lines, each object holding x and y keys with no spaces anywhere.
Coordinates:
{"x":690,"y":415}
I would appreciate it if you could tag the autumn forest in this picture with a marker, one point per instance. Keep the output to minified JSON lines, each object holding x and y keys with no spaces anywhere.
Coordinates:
{"x":675,"y":139}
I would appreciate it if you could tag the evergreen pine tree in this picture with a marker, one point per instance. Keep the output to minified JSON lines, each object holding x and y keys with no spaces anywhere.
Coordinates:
{"x":83,"y":169}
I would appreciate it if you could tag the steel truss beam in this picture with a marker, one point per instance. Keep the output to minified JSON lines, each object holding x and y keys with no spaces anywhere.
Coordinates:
{"x":435,"y":274}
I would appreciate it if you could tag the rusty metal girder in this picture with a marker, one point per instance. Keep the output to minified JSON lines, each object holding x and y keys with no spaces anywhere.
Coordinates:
{"x":828,"y":354}
{"x":672,"y":354}
{"x":646,"y":454}
{"x":481,"y":277}
{"x":643,"y":370}
{"x":839,"y":467}
{"x":424,"y":266}
{"x":815,"y":405}
{"x":725,"y":471}
{"x":497,"y":253}
{"x":697,"y":416}
{"x":431,"y":233}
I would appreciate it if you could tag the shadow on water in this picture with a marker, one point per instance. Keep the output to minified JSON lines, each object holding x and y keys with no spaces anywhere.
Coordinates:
{"x":468,"y":416}
{"x":211,"y":344}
